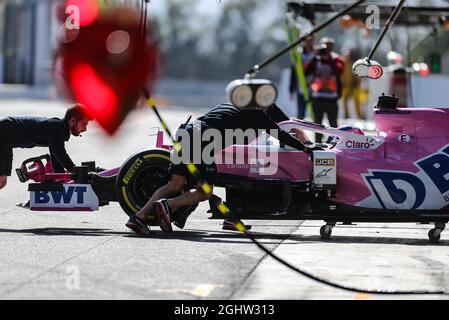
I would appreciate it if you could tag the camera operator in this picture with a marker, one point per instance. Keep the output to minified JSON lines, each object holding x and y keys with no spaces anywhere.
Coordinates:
{"x":338,"y":59}
{"x":325,"y":87}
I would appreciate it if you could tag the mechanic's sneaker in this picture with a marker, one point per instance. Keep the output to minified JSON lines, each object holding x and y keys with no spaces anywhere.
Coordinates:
{"x":138,"y":226}
{"x":230,"y":225}
{"x":162,"y":211}
{"x":181,"y":222}
{"x":24,"y":205}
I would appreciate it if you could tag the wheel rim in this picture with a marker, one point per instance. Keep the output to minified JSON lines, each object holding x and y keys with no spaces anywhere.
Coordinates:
{"x":147,"y":182}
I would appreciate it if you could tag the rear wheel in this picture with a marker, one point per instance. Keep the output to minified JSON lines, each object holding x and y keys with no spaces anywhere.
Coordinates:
{"x":140,"y":176}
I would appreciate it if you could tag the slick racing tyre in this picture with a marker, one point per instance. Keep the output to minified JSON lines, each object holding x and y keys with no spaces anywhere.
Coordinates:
{"x":139,"y":177}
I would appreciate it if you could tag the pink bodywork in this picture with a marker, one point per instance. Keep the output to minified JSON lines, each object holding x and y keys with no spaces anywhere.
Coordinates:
{"x":404,"y":136}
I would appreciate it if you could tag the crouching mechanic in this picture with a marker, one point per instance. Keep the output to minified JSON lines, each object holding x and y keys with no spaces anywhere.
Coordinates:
{"x":29,"y":132}
{"x":221,"y":118}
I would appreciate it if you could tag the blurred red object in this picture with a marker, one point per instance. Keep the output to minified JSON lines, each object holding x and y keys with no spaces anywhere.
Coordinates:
{"x":424,"y":70}
{"x":107,"y":64}
{"x":375,"y":72}
{"x":88,"y":10}
{"x":347,"y":22}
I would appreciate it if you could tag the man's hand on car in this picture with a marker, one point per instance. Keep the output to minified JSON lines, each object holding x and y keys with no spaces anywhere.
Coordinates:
{"x":313,"y":147}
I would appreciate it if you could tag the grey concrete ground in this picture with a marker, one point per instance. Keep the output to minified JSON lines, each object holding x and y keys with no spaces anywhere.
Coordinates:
{"x":53,"y":255}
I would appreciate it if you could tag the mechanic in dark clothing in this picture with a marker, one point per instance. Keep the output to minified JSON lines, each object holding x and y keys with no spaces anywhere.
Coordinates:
{"x":221,"y":118}
{"x":29,"y":132}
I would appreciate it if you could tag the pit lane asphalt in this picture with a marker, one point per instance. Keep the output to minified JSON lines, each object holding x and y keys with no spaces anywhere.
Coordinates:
{"x":43,"y":252}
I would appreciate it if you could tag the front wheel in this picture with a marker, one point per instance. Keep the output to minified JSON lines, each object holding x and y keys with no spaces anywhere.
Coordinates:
{"x":139,"y":178}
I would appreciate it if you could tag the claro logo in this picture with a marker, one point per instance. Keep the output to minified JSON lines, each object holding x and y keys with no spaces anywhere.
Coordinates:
{"x":360,"y":145}
{"x":325,"y":162}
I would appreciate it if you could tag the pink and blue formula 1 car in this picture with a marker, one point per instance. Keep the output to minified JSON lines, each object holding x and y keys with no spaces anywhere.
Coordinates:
{"x":400,"y":174}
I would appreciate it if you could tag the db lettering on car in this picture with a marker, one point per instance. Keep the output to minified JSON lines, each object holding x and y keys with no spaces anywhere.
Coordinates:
{"x":428,"y":189}
{"x":76,"y":197}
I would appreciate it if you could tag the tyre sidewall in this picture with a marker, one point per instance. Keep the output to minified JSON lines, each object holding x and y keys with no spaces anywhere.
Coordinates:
{"x":130,"y":199}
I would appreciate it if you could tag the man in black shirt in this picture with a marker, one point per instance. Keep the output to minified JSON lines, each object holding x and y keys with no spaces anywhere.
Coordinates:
{"x":223,"y":117}
{"x":29,"y":132}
